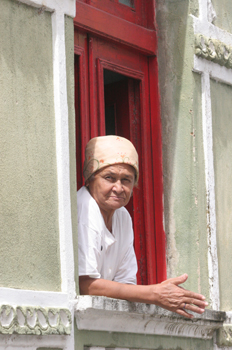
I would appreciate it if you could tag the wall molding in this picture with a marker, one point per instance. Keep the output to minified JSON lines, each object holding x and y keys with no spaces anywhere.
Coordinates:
{"x":113,"y":315}
{"x":213,"y":50}
{"x":204,"y":27}
{"x":34,"y":320}
{"x":224,"y":336}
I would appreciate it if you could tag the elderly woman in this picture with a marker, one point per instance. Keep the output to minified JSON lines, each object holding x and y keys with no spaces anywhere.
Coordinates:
{"x":107,"y":263}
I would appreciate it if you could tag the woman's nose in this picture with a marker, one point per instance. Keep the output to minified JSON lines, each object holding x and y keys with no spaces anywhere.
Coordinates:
{"x":118,"y":186}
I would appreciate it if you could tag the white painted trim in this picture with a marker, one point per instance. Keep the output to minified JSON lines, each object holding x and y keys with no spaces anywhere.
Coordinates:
{"x":19,"y":297}
{"x":67,"y":7}
{"x":210,"y":192}
{"x":205,"y":69}
{"x":62,"y":154}
{"x":202,"y":26}
{"x":217,"y":72}
{"x":63,"y":165}
{"x":203,"y":10}
{"x":229,"y":317}
{"x":210,"y":70}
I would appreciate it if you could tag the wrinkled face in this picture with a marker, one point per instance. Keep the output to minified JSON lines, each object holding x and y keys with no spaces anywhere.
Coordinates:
{"x":112,"y":187}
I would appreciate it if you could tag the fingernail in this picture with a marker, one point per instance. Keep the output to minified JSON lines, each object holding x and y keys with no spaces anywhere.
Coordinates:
{"x":202,"y":310}
{"x":206,"y":304}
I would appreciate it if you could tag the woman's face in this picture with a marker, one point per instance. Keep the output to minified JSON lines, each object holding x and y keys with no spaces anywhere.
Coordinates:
{"x":112,"y":187}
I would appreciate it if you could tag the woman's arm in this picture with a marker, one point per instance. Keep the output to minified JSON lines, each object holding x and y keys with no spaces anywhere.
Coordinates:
{"x":167,"y":294}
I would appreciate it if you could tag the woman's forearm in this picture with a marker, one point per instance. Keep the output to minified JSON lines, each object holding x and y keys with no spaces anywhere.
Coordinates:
{"x":112,"y":289}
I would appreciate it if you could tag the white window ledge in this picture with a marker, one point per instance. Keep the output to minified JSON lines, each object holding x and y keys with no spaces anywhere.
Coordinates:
{"x":105,"y":314}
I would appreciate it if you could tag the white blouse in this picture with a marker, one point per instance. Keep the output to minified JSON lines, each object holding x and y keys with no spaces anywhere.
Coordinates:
{"x":103,"y":254}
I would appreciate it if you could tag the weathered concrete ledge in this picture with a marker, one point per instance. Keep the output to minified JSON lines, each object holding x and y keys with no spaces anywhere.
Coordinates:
{"x":106,"y":314}
{"x":34,"y":320}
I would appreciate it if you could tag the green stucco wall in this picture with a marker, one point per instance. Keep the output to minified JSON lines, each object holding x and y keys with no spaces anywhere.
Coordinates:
{"x":183,"y":160}
{"x":138,"y":341}
{"x":29,"y":249}
{"x":223,"y":9}
{"x":222,"y":147}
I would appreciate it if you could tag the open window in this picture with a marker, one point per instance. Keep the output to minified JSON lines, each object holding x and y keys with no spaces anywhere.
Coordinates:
{"x":116,"y":92}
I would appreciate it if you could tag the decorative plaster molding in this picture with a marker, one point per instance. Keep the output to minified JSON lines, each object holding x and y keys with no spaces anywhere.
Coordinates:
{"x":106,"y":314}
{"x":204,"y":27}
{"x":213,"y":50}
{"x":34,"y":320}
{"x":224,"y":336}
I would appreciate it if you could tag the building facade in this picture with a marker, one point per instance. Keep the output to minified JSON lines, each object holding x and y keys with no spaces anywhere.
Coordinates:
{"x":60,"y":62}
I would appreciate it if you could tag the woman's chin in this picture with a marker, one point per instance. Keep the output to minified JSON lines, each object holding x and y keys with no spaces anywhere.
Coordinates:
{"x":116,"y":203}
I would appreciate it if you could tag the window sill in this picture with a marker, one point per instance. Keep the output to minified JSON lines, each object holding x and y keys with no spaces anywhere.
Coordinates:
{"x":105,"y":314}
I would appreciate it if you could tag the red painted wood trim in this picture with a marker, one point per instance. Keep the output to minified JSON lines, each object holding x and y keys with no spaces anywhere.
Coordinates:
{"x":135,"y":15}
{"x":149,"y":188}
{"x":104,"y":64}
{"x":101,"y":104}
{"x":132,"y":73}
{"x":92,"y":92}
{"x":157,"y":169}
{"x":104,"y":24}
{"x":80,"y":51}
{"x":82,"y":108}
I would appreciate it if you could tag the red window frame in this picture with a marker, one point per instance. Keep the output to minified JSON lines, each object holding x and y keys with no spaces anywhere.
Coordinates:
{"x":114,"y":28}
{"x":143,"y":41}
{"x":140,"y":14}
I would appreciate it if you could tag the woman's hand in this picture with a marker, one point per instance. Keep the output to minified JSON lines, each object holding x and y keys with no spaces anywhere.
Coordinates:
{"x":167,"y":294}
{"x":172,"y":297}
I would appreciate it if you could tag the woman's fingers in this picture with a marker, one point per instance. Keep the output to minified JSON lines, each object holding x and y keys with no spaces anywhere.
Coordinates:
{"x":184,"y":313}
{"x":185,"y":295}
{"x":193,"y":296}
{"x":178,"y":299}
{"x":178,"y":280}
{"x":193,"y":308}
{"x":199,"y":303}
{"x":181,"y":279}
{"x":193,"y":304}
{"x":188,"y":307}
